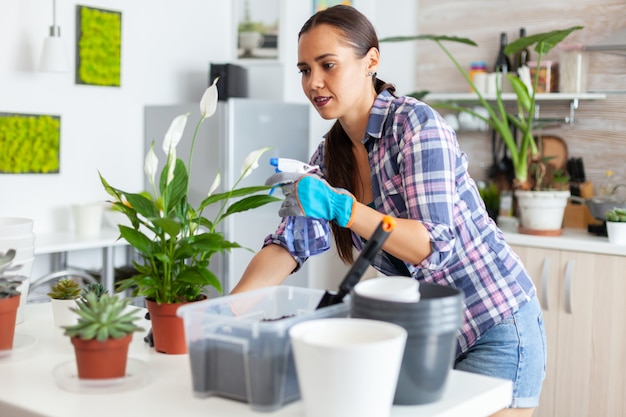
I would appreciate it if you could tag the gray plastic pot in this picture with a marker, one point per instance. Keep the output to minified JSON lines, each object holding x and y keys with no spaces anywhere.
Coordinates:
{"x":432,"y":325}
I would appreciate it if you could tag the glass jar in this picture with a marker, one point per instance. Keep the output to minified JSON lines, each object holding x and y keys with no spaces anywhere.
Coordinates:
{"x":574,"y":65}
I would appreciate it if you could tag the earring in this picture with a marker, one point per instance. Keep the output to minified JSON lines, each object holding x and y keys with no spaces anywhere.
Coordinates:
{"x":370,"y":73}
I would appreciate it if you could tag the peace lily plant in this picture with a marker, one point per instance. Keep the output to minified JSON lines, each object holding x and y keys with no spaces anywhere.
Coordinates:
{"x":175,"y":240}
{"x":522,"y":148}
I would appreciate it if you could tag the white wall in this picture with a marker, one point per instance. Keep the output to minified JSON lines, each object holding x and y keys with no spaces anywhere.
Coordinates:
{"x":166,"y":50}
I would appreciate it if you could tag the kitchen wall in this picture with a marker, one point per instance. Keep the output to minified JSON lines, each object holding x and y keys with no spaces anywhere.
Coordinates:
{"x":599,"y":132}
{"x":167,"y":47}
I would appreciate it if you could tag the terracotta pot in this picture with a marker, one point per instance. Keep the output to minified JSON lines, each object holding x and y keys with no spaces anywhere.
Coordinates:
{"x":101,"y":360}
{"x":8,"y":315}
{"x":168,"y":329}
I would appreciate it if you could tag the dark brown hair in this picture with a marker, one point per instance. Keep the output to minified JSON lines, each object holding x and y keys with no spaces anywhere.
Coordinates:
{"x":341,"y":167}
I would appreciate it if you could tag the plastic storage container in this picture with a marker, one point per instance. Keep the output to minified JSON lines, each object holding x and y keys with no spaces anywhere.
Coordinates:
{"x":239,"y":344}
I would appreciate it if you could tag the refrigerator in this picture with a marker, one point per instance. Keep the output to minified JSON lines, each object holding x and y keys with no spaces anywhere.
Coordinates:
{"x":239,"y":126}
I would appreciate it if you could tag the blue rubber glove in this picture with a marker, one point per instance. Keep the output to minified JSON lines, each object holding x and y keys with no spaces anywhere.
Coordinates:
{"x":311,"y":196}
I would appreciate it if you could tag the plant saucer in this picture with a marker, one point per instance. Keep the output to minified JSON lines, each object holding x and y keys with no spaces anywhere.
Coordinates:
{"x":66,"y":377}
{"x":22,"y":346}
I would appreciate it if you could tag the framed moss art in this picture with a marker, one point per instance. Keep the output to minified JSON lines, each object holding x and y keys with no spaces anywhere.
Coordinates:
{"x":98,"y":46}
{"x":29,"y":143}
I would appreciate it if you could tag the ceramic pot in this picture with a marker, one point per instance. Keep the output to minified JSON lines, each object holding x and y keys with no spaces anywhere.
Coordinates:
{"x":8,"y":314}
{"x":168,"y":329}
{"x":62,"y":314}
{"x":541,"y":212}
{"x":101,"y":360}
{"x":616,"y":232}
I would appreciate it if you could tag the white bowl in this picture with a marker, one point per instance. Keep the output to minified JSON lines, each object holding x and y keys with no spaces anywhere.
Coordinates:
{"x":15,"y":226}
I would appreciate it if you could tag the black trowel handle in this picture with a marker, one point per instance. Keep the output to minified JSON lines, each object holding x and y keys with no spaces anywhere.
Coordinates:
{"x":367,"y":255}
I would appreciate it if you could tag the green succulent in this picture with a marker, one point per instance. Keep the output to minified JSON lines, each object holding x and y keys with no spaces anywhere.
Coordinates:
{"x":65,"y":289}
{"x":8,"y":287}
{"x":103,"y":318}
{"x":8,"y":283}
{"x":95,"y":287}
{"x":616,"y":215}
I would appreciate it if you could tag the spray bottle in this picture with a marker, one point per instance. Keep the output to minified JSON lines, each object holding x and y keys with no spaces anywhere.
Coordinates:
{"x":305,"y":236}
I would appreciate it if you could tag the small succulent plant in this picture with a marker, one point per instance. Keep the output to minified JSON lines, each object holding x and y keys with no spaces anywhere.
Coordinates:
{"x":95,"y":287}
{"x":103,"y":318}
{"x":8,"y":287}
{"x":616,"y":215}
{"x":65,"y":289}
{"x":8,"y":283}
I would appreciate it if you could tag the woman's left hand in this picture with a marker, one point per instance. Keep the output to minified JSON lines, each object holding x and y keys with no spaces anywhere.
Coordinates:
{"x":311,"y":196}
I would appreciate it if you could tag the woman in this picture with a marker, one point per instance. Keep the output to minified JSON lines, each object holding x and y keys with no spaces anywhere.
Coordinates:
{"x":397,"y":156}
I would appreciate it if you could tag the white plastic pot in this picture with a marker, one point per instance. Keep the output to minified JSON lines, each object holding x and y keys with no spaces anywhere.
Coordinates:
{"x":541,"y":211}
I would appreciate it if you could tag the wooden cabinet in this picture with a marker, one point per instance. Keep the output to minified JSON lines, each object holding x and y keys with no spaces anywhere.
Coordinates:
{"x":583,"y":297}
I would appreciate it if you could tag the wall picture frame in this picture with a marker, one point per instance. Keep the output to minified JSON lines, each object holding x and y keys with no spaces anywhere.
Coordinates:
{"x":30,"y":143}
{"x":257,"y":29}
{"x":98,"y":46}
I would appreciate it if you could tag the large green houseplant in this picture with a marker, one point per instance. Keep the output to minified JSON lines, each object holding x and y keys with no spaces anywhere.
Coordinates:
{"x":522,"y":148}
{"x":175,"y":240}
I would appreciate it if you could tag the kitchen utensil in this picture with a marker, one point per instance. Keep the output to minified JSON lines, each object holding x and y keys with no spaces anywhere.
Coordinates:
{"x":554,"y":147}
{"x":599,"y":205}
{"x":360,"y":265}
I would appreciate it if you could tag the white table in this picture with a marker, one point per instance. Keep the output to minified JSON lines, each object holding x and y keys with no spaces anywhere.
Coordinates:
{"x":58,"y":244}
{"x":29,"y":388}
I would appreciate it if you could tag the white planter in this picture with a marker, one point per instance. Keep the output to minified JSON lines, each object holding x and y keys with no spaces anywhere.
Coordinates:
{"x":62,"y":314}
{"x":616,"y":232}
{"x":541,"y":211}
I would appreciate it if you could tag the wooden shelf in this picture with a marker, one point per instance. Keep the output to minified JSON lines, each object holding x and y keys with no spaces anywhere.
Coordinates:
{"x":572,"y":98}
{"x":512,"y":97}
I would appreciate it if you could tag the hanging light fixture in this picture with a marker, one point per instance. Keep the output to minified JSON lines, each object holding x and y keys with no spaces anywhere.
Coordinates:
{"x":54,"y":56}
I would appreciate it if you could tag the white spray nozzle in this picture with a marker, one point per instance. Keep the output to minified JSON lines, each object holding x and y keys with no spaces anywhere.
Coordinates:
{"x":291,"y":165}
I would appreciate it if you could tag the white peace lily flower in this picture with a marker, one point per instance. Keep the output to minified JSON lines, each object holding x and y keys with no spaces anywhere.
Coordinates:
{"x":208,"y":104}
{"x":251,"y":162}
{"x":150,"y":165}
{"x":171,"y":160}
{"x":174,"y":133}
{"x":216,"y":183}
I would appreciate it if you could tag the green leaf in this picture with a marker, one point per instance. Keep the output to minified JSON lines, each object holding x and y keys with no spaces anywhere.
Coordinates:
{"x":137,"y":239}
{"x":249,"y":203}
{"x":169,"y":226}
{"x":142,"y":205}
{"x":521,"y":91}
{"x":544,"y":41}
{"x":438,"y":38}
{"x":239,"y":192}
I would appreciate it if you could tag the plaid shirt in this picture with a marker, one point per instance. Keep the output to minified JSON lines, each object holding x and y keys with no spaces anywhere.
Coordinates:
{"x":419,"y":172}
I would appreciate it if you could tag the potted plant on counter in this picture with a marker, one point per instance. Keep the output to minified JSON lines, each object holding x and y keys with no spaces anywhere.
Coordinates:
{"x":517,"y":128}
{"x":616,"y":225}
{"x":102,"y":334}
{"x":63,"y":296}
{"x":9,"y":300}
{"x":176,"y":241}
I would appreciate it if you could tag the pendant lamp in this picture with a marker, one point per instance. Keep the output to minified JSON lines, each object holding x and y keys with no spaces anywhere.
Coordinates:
{"x":54,"y":55}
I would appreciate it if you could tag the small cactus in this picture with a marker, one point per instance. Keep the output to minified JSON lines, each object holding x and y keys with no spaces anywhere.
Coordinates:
{"x":65,"y":289}
{"x":103,"y":318}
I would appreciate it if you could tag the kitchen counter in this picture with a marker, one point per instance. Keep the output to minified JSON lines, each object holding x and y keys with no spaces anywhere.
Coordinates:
{"x":578,"y":240}
{"x":162,"y":384}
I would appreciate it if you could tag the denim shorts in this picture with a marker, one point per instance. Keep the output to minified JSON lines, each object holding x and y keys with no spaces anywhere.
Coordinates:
{"x":515,"y":349}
